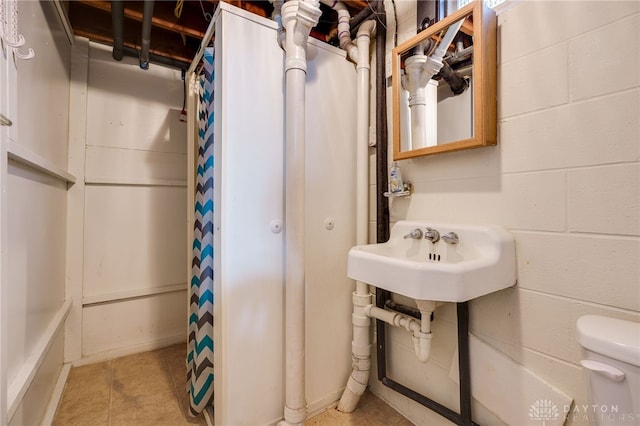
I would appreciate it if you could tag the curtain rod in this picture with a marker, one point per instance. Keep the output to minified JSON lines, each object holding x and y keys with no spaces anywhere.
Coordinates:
{"x":205,"y":41}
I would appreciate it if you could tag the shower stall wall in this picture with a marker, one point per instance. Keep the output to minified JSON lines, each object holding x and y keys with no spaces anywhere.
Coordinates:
{"x":249,"y":191}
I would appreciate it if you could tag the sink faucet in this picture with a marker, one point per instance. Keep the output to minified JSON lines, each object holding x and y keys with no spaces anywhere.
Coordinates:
{"x":432,"y":235}
{"x":451,"y":238}
{"x":415,"y":234}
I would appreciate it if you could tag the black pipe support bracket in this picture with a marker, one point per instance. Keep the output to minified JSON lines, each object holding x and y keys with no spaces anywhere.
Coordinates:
{"x":464,"y":417}
{"x":382,"y":135}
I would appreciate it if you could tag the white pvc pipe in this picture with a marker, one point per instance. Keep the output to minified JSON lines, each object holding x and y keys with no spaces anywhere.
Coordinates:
{"x":344,"y":30}
{"x":360,"y":54}
{"x":361,"y":343}
{"x":418,"y":70}
{"x":277,"y":17}
{"x":415,"y":82}
{"x":298,"y":18}
{"x":446,"y":40}
{"x":420,"y":329}
{"x":363,"y":68}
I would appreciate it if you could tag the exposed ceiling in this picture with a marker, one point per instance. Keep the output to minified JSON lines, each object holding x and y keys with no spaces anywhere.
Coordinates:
{"x":173,"y":37}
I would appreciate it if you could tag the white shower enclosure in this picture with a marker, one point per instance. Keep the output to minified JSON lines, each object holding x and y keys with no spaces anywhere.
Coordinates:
{"x":249,"y":191}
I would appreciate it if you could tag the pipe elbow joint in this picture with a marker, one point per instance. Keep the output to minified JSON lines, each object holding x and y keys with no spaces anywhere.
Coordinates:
{"x":418,"y":71}
{"x":358,"y":384}
{"x":367,"y":29}
{"x":363,"y":41}
{"x":367,"y":310}
{"x":422,"y":346}
{"x":296,"y":21}
{"x":308,"y":14}
{"x":432,"y":66}
{"x":352,"y":52}
{"x":346,"y":44}
{"x":281,"y":38}
{"x":300,"y":34}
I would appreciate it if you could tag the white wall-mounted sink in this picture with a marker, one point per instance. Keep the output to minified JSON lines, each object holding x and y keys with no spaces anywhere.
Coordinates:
{"x":483,"y":261}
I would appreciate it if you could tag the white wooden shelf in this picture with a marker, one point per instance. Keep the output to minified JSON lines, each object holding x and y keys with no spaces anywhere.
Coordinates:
{"x":22,"y":155}
{"x":27,"y":372}
{"x":131,"y":294}
{"x":135,"y":181}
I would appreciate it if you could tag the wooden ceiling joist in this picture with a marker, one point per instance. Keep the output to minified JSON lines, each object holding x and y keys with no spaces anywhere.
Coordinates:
{"x":161,"y":19}
{"x":109,"y":41}
{"x":174,"y":37}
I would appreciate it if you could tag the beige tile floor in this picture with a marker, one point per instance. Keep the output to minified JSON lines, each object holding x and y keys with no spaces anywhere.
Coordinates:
{"x":371,"y":411}
{"x":142,"y":389}
{"x":149,"y":389}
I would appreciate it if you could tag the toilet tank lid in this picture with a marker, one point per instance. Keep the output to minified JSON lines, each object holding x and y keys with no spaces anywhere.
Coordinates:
{"x":615,"y":338}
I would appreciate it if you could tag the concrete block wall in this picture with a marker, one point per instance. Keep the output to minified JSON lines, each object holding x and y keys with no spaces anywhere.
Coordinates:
{"x":564,"y":179}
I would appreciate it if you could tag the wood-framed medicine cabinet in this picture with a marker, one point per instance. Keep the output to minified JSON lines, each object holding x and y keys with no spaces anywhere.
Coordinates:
{"x":439,"y":120}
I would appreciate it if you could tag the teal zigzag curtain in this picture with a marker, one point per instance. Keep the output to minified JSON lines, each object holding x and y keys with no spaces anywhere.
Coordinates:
{"x":200,"y":343}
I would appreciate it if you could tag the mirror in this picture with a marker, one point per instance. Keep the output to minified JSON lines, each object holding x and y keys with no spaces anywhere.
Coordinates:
{"x":444,"y":85}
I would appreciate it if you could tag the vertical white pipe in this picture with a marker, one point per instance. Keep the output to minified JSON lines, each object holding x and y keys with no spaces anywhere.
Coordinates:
{"x":361,"y":343}
{"x":414,"y":81}
{"x":295,"y":76}
{"x":418,"y":70}
{"x":422,"y":105}
{"x":294,"y":248}
{"x":362,"y":132}
{"x":298,"y":18}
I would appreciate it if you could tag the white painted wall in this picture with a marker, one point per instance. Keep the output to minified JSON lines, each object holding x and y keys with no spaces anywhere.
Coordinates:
{"x":564,"y":179}
{"x":249,"y":287}
{"x":131,"y":280}
{"x":35,"y":203}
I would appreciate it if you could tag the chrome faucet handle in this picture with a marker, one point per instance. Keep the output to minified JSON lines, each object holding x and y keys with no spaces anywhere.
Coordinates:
{"x":451,"y":238}
{"x":432,"y":235}
{"x":415,"y":234}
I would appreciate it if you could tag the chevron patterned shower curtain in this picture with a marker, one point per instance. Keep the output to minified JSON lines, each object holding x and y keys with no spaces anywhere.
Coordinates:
{"x":200,"y":343}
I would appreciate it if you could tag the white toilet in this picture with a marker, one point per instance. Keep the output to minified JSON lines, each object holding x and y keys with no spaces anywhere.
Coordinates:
{"x":611,"y":361}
